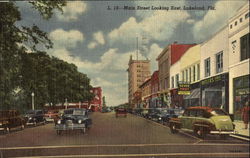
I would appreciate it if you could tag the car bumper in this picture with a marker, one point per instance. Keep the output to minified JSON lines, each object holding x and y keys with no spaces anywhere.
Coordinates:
{"x":69,"y":127}
{"x":2,"y":128}
{"x":48,"y":119}
{"x":223,"y":132}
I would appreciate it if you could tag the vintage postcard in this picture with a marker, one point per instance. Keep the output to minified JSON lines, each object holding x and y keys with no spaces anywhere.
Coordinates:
{"x":124,"y":78}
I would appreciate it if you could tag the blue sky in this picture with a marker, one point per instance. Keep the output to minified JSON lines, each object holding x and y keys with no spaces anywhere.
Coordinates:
{"x":99,"y":41}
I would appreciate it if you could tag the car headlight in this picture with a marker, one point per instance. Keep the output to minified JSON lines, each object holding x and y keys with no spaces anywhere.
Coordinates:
{"x":79,"y":121}
{"x":159,"y":118}
{"x":1,"y":124}
{"x":30,"y":118}
{"x":59,"y":122}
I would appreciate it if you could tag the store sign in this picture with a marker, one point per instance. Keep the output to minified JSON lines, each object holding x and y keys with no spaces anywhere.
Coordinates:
{"x":211,"y":80}
{"x":183,"y":89}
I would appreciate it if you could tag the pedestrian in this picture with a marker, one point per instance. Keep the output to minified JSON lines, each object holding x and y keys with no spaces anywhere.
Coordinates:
{"x":245,"y":114}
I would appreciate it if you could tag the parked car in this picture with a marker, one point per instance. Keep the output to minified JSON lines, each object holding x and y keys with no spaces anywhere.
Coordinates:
{"x":11,"y":119}
{"x":164,"y":115}
{"x":34,"y":117}
{"x":121,"y":112}
{"x":151,"y":113}
{"x":51,"y":115}
{"x":144,"y":113}
{"x":106,"y":109}
{"x":203,"y":121}
{"x":73,"y":119}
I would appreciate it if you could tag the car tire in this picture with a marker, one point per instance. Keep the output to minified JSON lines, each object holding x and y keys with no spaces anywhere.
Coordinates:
{"x":7,"y":130}
{"x":58,"y":132}
{"x":173,"y":128}
{"x":200,"y":132}
{"x":83,"y":131}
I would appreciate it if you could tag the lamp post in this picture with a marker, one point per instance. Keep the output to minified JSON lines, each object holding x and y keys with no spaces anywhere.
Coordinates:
{"x":32,"y":95}
{"x":66,"y":103}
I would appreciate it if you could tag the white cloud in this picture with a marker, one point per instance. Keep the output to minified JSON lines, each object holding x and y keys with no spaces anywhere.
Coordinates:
{"x":69,"y":39}
{"x":92,"y":45}
{"x":159,"y":26}
{"x":72,"y":11}
{"x":154,"y":51}
{"x":98,"y":39}
{"x":216,"y":18}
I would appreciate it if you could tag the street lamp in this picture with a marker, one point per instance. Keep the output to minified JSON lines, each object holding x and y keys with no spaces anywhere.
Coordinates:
{"x":32,"y":95}
{"x":66,"y":103}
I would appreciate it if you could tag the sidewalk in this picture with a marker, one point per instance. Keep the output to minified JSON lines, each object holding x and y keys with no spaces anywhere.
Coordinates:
{"x":241,"y":131}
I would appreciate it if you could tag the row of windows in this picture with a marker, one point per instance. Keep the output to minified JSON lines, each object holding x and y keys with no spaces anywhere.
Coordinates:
{"x":218,"y":64}
{"x":241,"y":19}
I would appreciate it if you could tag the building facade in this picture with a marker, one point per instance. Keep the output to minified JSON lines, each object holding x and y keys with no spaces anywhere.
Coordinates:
{"x":238,"y":28}
{"x":214,"y":59}
{"x":145,"y":88}
{"x":190,"y":74}
{"x":155,"y":97}
{"x":138,"y":71}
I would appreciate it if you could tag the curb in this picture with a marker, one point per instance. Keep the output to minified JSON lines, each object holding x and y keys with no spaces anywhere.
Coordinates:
{"x":242,"y":137}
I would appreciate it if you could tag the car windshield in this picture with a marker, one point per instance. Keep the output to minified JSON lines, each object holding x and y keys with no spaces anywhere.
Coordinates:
{"x":31,"y":112}
{"x":216,"y":112}
{"x":74,"y":112}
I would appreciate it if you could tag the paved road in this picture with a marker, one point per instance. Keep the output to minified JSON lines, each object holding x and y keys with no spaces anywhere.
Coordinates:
{"x":117,"y":137}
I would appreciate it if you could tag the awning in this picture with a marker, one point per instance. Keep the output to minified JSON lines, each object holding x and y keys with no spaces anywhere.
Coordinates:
{"x":195,"y":94}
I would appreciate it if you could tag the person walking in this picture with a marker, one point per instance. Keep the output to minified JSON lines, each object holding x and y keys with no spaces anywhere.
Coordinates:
{"x":245,"y":114}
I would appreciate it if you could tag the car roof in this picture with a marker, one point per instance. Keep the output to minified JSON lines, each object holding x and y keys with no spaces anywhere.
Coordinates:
{"x":207,"y":108}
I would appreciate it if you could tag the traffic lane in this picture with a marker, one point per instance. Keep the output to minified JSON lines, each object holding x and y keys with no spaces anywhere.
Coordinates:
{"x":106,"y":129}
{"x":139,"y":149}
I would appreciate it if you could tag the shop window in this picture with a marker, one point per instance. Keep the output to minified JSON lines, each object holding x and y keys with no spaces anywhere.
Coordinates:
{"x":219,"y":62}
{"x":235,"y":23}
{"x":198,"y":71}
{"x":207,"y":67}
{"x":244,"y":47}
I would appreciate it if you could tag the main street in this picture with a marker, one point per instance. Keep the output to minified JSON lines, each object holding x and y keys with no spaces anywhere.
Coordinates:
{"x":117,"y":137}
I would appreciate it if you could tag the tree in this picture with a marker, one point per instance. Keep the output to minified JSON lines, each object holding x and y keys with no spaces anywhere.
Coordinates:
{"x":15,"y":41}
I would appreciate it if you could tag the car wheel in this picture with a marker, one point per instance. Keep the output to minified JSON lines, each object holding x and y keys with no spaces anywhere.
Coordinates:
{"x":173,"y":128}
{"x":200,"y":132}
{"x":83,"y":130}
{"x":7,"y":130}
{"x":58,"y":132}
{"x":22,"y":127}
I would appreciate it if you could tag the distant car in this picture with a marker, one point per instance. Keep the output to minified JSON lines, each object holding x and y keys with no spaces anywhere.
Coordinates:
{"x":106,"y":109}
{"x":11,"y":119}
{"x":73,"y":119}
{"x":203,"y":121}
{"x":51,"y":115}
{"x":34,"y":117}
{"x":164,"y":115}
{"x":144,"y":113}
{"x":121,"y":112}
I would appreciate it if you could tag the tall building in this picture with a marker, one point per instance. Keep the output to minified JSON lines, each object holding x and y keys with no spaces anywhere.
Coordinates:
{"x":138,"y":71}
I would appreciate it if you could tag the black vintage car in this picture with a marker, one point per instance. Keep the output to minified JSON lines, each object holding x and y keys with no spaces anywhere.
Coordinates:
{"x":163,"y":115}
{"x":34,"y":117}
{"x":11,"y":119}
{"x":73,"y":119}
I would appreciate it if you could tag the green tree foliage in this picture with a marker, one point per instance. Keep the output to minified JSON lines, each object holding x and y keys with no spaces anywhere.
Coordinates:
{"x":21,"y":73}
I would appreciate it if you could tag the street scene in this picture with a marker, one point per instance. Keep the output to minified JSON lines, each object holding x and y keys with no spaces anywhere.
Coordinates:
{"x":117,"y":79}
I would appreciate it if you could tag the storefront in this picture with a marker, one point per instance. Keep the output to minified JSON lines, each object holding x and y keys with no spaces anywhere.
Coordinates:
{"x":240,"y":94}
{"x":194,"y":98}
{"x":176,"y":99}
{"x":214,"y":92}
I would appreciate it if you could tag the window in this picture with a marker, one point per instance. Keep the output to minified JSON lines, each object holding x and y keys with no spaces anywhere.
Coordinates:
{"x":235,"y":23}
{"x":207,"y":67}
{"x":231,"y":26}
{"x":246,"y":15}
{"x":244,"y":47}
{"x":172,"y":78}
{"x":182,"y":74}
{"x":176,"y":80}
{"x":219,"y":62}
{"x":198,"y":71}
{"x":190,"y":72}
{"x":194,"y":73}
{"x":186,"y":75}
{"x":240,"y":19}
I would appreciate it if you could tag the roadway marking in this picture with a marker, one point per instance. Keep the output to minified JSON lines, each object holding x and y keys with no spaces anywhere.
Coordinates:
{"x":117,"y":145}
{"x":151,"y":155}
